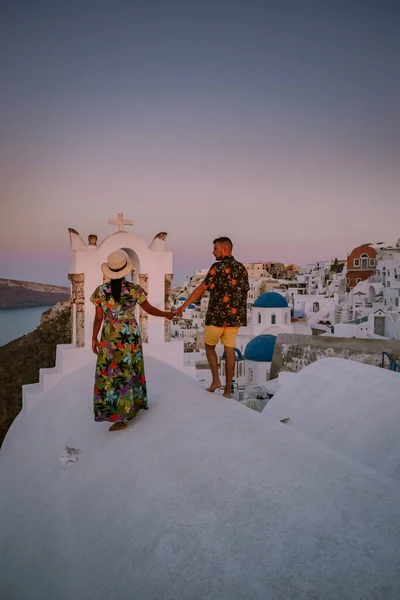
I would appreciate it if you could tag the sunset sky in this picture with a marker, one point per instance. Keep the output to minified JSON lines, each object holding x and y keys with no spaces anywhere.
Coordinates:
{"x":276,"y":123}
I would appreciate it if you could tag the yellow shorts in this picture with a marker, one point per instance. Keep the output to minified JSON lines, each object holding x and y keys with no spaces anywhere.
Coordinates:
{"x":227,"y":335}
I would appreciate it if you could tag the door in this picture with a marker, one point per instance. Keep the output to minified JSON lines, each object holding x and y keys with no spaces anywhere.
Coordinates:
{"x":379,"y":325}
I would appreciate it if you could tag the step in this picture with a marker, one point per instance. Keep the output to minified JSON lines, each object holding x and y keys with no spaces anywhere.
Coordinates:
{"x":31,"y":395}
{"x":63,"y":349}
{"x":49,"y":378}
{"x":70,"y":358}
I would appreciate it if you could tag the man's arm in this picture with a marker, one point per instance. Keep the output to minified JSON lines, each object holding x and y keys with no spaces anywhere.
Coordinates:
{"x":195,"y":295}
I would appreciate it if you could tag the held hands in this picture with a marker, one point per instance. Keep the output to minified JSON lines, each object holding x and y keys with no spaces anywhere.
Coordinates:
{"x":95,"y":346}
{"x":179,"y":311}
{"x":170,"y":314}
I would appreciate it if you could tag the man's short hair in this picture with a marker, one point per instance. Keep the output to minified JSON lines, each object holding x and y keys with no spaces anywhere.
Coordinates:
{"x":225,"y":241}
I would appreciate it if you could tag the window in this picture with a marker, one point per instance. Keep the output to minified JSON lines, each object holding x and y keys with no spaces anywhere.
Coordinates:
{"x":259,"y":317}
{"x":396,"y":302}
{"x":358,"y":279}
{"x":364,"y":261}
{"x":250,"y":378}
{"x":356,"y":262}
{"x":347,"y":281}
{"x":273,"y":319}
{"x":371,"y":262}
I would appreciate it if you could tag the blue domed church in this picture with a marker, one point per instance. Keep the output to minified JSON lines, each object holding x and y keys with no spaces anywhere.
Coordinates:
{"x":256,"y":343}
{"x":270,"y":315}
{"x":258,"y":356}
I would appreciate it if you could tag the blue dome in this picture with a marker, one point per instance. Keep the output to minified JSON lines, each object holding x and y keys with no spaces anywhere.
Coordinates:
{"x":191,"y":306}
{"x":182,"y":299}
{"x":260,"y":348}
{"x":270,"y":300}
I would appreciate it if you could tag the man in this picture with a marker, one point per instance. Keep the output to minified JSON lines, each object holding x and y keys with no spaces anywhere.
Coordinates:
{"x":228,"y":284}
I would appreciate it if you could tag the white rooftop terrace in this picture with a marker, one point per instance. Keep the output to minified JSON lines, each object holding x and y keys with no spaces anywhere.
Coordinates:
{"x":199,"y":498}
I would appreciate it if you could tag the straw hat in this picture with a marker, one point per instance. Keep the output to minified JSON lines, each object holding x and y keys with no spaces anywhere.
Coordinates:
{"x":118,"y":265}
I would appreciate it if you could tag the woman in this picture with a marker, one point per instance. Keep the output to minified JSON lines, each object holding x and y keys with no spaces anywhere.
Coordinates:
{"x":120,"y":383}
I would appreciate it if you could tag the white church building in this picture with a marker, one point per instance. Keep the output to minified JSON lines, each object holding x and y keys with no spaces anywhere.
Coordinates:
{"x":270,"y":314}
{"x":152,"y":270}
{"x":258,"y":358}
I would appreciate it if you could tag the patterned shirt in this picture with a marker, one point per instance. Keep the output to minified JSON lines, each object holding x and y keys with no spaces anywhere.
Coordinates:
{"x":228,"y":283}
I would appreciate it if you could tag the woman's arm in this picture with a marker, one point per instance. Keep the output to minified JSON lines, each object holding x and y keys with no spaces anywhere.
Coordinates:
{"x":156,"y":312}
{"x":98,"y":319}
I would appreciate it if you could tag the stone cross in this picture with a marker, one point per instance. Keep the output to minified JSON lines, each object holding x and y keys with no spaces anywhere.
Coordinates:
{"x":120,"y":222}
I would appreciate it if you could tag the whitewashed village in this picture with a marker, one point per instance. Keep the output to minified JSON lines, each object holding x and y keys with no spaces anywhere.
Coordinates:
{"x":357,"y":297}
{"x":289,"y":490}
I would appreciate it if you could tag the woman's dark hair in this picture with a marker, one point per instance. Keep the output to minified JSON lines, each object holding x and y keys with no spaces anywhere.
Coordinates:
{"x":116,"y":285}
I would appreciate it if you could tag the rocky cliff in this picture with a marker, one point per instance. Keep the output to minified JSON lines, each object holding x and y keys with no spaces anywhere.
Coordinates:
{"x":21,"y":359}
{"x":15,"y":294}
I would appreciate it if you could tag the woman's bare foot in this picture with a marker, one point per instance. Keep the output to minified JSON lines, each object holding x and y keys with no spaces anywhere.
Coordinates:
{"x":225,"y":395}
{"x":214,"y":386}
{"x":119,"y":426}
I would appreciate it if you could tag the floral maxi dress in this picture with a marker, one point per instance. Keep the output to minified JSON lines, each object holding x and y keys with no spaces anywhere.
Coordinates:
{"x":120,"y":382}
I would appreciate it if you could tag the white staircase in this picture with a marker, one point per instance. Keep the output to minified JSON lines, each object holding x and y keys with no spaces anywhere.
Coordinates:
{"x":69,"y":358}
{"x":324,"y":312}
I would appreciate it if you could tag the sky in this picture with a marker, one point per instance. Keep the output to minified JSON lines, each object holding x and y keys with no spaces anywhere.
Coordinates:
{"x":274,"y":122}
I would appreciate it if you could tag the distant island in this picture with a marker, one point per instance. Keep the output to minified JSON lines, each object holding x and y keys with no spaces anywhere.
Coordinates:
{"x":19,"y":294}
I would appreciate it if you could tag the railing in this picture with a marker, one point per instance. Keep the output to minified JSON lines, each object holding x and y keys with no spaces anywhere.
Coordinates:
{"x":393,"y":364}
{"x":358,"y":321}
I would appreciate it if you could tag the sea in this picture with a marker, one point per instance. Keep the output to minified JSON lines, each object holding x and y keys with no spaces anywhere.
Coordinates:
{"x":15,"y":322}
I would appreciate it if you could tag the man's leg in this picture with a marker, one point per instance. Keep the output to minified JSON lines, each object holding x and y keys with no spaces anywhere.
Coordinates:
{"x":230,"y":370}
{"x":213,"y":362}
{"x":229,"y":341}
